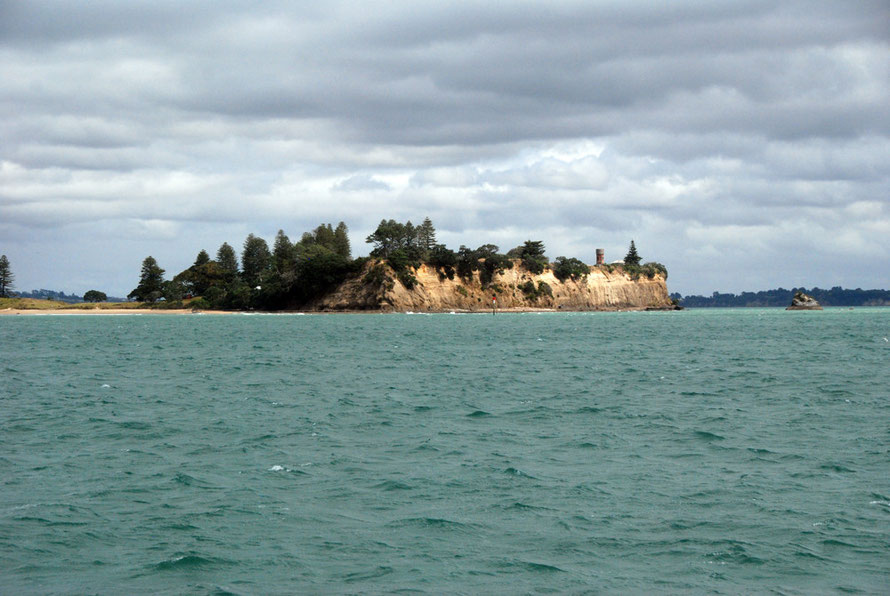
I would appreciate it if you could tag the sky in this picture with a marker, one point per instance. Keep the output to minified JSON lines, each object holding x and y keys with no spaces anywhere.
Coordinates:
{"x":745,"y":145}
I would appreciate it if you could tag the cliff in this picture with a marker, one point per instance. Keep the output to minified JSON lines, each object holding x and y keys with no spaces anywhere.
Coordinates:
{"x":378,"y":287}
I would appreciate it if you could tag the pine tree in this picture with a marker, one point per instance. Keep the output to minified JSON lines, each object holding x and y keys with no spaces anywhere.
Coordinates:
{"x":341,"y":241}
{"x":6,"y":278}
{"x":632,"y":258}
{"x":324,"y":235}
{"x":151,"y":282}
{"x":255,"y":260}
{"x":202,"y":259}
{"x":227,"y":260}
{"x":426,"y":236}
{"x":282,"y":252}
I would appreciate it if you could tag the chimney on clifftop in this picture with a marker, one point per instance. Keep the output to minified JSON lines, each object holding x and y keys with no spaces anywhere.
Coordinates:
{"x":600,"y":256}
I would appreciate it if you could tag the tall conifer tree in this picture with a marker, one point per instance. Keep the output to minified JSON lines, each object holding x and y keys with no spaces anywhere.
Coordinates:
{"x":341,"y":241}
{"x":227,"y":259}
{"x":255,"y":260}
{"x":632,"y":257}
{"x":6,"y":278}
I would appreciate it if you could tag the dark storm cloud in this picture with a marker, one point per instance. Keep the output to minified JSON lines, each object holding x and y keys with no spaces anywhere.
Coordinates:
{"x":700,"y":128}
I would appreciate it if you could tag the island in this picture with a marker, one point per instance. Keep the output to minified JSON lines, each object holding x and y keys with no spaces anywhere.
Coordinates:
{"x":803,"y":301}
{"x":407,"y":270}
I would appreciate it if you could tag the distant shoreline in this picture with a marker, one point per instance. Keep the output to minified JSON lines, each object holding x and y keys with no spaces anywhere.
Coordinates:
{"x":183,"y":311}
{"x":109,"y":311}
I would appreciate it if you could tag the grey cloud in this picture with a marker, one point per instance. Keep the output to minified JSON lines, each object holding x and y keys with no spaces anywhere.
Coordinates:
{"x":761,"y":119}
{"x":360,"y":182}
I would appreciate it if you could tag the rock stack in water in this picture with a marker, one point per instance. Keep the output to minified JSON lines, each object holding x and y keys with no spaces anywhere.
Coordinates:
{"x":803,"y":301}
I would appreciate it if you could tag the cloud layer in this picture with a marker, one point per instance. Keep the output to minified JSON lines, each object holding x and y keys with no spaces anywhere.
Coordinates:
{"x":744,"y":145}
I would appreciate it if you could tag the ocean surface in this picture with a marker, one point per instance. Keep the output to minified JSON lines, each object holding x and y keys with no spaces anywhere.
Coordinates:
{"x":709,"y":451}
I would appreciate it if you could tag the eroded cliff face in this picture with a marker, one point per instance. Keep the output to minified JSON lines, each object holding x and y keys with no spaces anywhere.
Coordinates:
{"x":599,"y":290}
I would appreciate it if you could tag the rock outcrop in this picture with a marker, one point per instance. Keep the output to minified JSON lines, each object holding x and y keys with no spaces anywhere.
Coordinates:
{"x":803,"y":301}
{"x":608,"y":287}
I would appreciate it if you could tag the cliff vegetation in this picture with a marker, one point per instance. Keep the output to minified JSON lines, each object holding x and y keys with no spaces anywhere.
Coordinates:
{"x":406,"y":270}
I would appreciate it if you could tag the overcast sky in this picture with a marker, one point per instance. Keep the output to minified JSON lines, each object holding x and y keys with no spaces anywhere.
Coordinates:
{"x":742,"y":144}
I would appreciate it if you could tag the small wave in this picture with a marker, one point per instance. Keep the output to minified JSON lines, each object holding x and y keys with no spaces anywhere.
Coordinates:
{"x":135,"y":425}
{"x":516,"y":472}
{"x":708,"y":436}
{"x":391,"y":485}
{"x":533,"y":566}
{"x":588,"y":410}
{"x":519,"y":506}
{"x":186,"y":562}
{"x":438,"y":523}
{"x":832,"y":467}
{"x":378,"y":571}
{"x":479,"y":414}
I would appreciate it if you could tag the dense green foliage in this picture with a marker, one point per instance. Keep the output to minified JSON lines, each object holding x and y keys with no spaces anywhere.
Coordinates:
{"x":780,"y":297}
{"x":6,"y":278}
{"x":95,"y":296}
{"x":569,"y":268}
{"x":531,"y":255}
{"x":649,"y":270}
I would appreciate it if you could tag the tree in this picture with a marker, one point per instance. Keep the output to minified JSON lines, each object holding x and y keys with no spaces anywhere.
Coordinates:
{"x":324,"y":235}
{"x":341,"y":241}
{"x":95,"y":296}
{"x":202,"y":259}
{"x":6,"y":278}
{"x":426,"y":237}
{"x":227,"y":260}
{"x":389,"y":236}
{"x":531,"y":253}
{"x":255,"y":260}
{"x":151,"y":282}
{"x":632,"y":258}
{"x":282,"y":252}
{"x":573,"y":268}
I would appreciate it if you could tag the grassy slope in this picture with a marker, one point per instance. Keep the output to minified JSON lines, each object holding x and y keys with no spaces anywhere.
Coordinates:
{"x":35,"y":304}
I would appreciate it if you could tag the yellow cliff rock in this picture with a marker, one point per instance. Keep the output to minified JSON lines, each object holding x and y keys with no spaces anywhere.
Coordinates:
{"x":377,"y":287}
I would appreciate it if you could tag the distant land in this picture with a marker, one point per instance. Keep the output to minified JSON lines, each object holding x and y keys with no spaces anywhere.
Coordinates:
{"x":60,"y":296}
{"x":780,"y":297}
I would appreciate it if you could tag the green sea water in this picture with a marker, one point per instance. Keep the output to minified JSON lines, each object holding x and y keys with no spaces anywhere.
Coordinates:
{"x":712,"y":451}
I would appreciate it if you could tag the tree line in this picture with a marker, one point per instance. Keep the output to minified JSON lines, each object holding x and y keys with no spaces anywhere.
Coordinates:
{"x":780,"y":297}
{"x":288,"y":273}
{"x":291,"y":274}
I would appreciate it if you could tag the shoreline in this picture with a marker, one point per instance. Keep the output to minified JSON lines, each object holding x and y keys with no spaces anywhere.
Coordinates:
{"x":108,"y":311}
{"x":184,"y":311}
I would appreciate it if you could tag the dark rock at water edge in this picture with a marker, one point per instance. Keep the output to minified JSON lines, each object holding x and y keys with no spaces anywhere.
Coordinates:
{"x":803,"y":301}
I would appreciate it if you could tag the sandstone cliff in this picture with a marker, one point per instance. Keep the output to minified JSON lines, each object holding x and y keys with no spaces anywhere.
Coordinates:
{"x":377,"y":287}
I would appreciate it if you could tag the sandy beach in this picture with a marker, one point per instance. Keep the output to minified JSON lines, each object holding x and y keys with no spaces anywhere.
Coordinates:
{"x":110,"y":311}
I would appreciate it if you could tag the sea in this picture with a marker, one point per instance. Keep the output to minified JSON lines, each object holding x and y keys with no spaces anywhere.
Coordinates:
{"x":697,"y":452}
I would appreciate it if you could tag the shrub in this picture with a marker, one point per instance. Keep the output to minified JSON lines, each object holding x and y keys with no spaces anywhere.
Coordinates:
{"x":401,"y":259}
{"x":544,"y":288}
{"x":375,"y":276}
{"x":535,"y":264}
{"x":407,"y":278}
{"x":492,"y":264}
{"x":573,"y":268}
{"x":199,"y":304}
{"x":651,"y":269}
